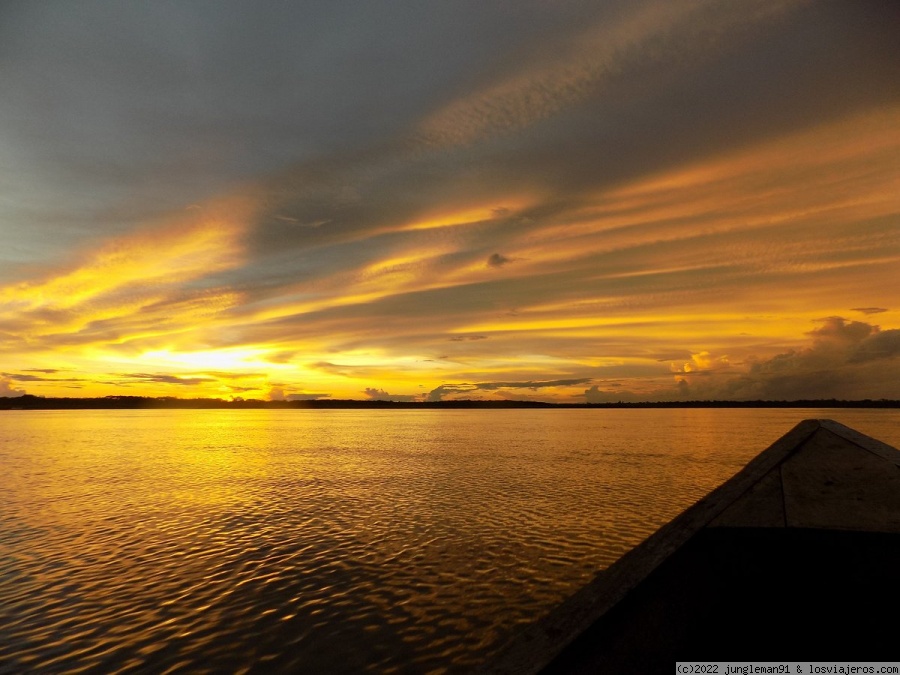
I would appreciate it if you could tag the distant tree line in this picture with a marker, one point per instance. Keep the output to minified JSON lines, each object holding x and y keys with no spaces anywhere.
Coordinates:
{"x":31,"y":402}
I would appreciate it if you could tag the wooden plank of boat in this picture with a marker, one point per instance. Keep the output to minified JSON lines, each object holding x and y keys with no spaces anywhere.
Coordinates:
{"x":796,"y":556}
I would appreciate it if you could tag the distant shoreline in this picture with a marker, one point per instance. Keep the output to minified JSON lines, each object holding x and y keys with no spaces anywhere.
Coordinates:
{"x":30,"y":402}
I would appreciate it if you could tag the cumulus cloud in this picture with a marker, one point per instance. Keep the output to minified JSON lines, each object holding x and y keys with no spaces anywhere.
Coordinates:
{"x":381,"y":395}
{"x":880,"y":345}
{"x":703,"y":363}
{"x":870,"y":310}
{"x":7,"y":388}
{"x":836,"y":330}
{"x":845,"y":360}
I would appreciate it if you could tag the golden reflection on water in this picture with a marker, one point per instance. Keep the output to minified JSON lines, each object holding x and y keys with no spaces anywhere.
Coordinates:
{"x":272,"y":540}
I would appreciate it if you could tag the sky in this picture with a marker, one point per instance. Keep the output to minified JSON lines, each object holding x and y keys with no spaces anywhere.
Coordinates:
{"x":559,"y":200}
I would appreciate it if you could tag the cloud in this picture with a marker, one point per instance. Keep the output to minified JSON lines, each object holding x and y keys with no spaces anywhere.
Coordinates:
{"x":438,"y":393}
{"x":497,"y":260}
{"x":277,"y":392}
{"x":666,"y":251}
{"x":307,"y":397}
{"x":584,"y":184}
{"x":7,"y":388}
{"x":532,"y":384}
{"x":231,"y":375}
{"x":381,"y":395}
{"x":879,"y":345}
{"x":295,"y":221}
{"x":236,"y":389}
{"x":836,"y":330}
{"x":336,"y":368}
{"x":845,"y":360}
{"x":18,"y":377}
{"x":651,"y":34}
{"x":614,"y":393}
{"x":163,"y":378}
{"x":153,"y":280}
{"x":703,"y":363}
{"x":22,"y":378}
{"x":467,"y":338}
{"x":280,"y":357}
{"x":443,"y":390}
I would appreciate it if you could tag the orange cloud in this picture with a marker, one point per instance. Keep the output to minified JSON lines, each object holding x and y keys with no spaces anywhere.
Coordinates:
{"x":132,"y":275}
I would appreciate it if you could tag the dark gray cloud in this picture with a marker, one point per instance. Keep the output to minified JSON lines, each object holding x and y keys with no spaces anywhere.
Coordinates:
{"x":836,"y":330}
{"x":876,"y":346}
{"x":185,"y":99}
{"x":497,"y":260}
{"x":646,"y":128}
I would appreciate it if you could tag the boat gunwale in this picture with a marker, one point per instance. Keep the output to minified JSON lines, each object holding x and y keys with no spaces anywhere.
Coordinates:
{"x":538,"y":644}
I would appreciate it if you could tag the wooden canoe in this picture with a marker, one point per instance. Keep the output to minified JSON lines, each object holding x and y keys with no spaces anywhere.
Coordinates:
{"x":795,"y":557}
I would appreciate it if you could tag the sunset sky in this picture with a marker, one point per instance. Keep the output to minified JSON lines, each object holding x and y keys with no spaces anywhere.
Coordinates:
{"x":413,"y":200}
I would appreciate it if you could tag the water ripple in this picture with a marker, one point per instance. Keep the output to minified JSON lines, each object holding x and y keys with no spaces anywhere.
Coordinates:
{"x":333,"y":541}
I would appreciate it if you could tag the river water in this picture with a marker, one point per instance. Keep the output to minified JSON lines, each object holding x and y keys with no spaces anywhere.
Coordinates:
{"x":337,"y":541}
